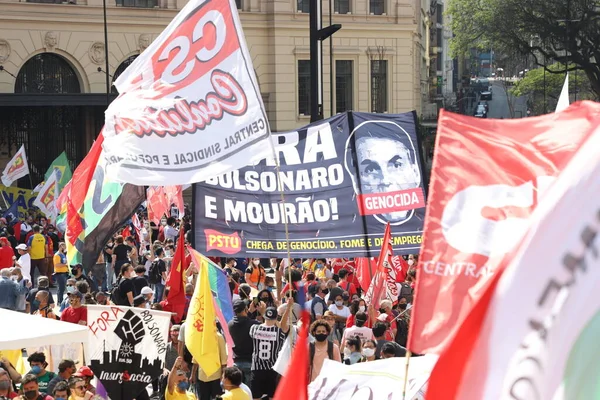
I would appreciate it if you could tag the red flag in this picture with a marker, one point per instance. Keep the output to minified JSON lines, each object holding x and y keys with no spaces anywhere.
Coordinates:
{"x":487,"y":178}
{"x":176,"y":279}
{"x":135,"y":220}
{"x":294,"y":385}
{"x":174,"y":195}
{"x":365,"y":269}
{"x":378,"y":289}
{"x":157,"y":203}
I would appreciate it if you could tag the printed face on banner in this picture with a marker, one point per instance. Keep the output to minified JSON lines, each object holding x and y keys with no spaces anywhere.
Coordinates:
{"x":385,"y":172}
{"x":189,"y":107}
{"x":127,"y":348}
{"x":340,"y":189}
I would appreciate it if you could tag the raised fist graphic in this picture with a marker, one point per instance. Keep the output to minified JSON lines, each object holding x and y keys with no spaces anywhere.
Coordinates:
{"x":130,"y":329}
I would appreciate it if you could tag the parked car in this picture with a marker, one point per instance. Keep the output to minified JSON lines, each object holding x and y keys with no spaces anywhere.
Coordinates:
{"x":480,"y":111}
{"x":486,"y":105}
{"x":486,"y":95}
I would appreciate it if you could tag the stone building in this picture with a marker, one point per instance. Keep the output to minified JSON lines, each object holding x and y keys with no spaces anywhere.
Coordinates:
{"x":52,"y":63}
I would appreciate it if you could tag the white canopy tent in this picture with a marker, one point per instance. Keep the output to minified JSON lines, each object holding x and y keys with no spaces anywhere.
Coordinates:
{"x":25,"y":330}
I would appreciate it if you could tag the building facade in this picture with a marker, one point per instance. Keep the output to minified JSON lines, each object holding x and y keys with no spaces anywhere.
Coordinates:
{"x":53,"y":74}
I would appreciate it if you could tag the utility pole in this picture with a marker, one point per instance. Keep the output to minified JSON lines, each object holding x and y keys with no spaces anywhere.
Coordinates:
{"x":317,"y":35}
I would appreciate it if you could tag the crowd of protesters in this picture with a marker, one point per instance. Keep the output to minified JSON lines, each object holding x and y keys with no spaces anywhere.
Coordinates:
{"x":268,"y":296}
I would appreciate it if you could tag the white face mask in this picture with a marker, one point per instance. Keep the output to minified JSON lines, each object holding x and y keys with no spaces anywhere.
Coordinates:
{"x":347,"y":351}
{"x":411,"y":262}
{"x":163,"y":222}
{"x":361,"y":308}
{"x":368,"y":352}
{"x":256,"y":262}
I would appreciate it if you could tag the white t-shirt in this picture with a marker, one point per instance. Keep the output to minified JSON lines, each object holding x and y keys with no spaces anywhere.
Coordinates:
{"x":170,"y":232}
{"x":344,"y":312}
{"x":363,"y":333}
{"x":25,"y":263}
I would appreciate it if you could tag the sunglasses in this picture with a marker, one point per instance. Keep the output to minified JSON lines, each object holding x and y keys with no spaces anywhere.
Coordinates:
{"x":80,"y":387}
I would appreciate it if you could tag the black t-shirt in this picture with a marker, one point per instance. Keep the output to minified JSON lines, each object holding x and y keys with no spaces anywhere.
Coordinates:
{"x":125,"y":287}
{"x":121,"y":251}
{"x":400,"y":351}
{"x":239,"y":328}
{"x":138,"y":283}
{"x":107,"y":257}
{"x":14,"y":243}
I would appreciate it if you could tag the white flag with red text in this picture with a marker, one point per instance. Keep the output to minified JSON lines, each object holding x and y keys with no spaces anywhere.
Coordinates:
{"x":189,"y":105}
{"x":16,"y":168}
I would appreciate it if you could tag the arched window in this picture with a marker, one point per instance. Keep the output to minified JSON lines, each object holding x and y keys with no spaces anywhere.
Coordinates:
{"x":47,"y":73}
{"x":128,"y":61}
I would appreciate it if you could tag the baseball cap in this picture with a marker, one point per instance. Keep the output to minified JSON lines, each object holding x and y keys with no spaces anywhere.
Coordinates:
{"x":239,"y":306}
{"x":271,"y":313}
{"x":76,"y":293}
{"x":43,"y":281}
{"x":137,"y":300}
{"x":328,"y":314}
{"x":84,"y":371}
{"x":147,"y":290}
{"x":21,"y":247}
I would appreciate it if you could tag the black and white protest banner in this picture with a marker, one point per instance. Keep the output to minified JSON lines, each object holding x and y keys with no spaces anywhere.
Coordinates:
{"x":127,"y":348}
{"x":343,"y":178}
{"x":190,"y":107}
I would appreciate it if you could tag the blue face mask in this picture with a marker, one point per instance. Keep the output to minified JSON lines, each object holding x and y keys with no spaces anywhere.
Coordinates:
{"x":183,"y":385}
{"x":36,"y":369}
{"x":59,"y":398}
{"x":319,"y":265}
{"x":269,"y":288}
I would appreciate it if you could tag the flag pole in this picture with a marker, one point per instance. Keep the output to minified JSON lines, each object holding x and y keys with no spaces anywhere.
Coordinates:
{"x":408,"y":353}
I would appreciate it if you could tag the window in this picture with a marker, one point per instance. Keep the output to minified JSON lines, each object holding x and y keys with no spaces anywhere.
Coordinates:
{"x":379,"y":86}
{"x":238,"y":4}
{"x":376,"y":7}
{"x":304,"y":87}
{"x":343,"y":85}
{"x":137,"y":3}
{"x":341,"y":6}
{"x":440,"y":14}
{"x":304,"y":6}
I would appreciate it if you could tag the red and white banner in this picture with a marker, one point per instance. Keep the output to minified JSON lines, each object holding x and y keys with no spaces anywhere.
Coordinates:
{"x":533,"y":334}
{"x":190,"y":106}
{"x":383,"y":285}
{"x":488,"y":176}
{"x":16,"y":168}
{"x":366,"y":268}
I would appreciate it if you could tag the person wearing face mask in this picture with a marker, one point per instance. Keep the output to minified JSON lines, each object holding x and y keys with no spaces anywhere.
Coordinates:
{"x":10,"y":290}
{"x":178,"y":384}
{"x":6,"y":387}
{"x":66,"y":369}
{"x":125,"y":292}
{"x":341,"y":313}
{"x":358,"y":330}
{"x":368,"y":350}
{"x":42,"y":284}
{"x":318,"y":305}
{"x":61,"y":270}
{"x":69,"y":288}
{"x":352,"y":354}
{"x":44,"y":308}
{"x":321,"y":270}
{"x":345,"y":284}
{"x":31,"y":388}
{"x":255,"y":275}
{"x":140,"y":280}
{"x":61,"y":391}
{"x":356,"y":306}
{"x":321,"y":348}
{"x":38,"y":364}
{"x":78,"y":390}
{"x":148,"y":294}
{"x":79,"y":276}
{"x":231,"y":384}
{"x":120,"y":254}
{"x":169,"y":230}
{"x":76,"y":313}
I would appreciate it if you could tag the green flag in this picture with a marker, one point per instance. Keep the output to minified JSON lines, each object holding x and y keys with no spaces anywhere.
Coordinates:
{"x":61,"y":164}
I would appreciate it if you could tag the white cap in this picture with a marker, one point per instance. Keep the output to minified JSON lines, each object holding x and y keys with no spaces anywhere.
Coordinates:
{"x":21,"y":247}
{"x":147,"y":290}
{"x":382,"y":317}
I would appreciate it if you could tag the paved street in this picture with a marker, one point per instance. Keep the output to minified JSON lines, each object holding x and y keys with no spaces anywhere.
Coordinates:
{"x":499,"y":106}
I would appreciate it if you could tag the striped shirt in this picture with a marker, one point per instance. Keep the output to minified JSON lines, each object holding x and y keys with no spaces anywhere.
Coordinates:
{"x":268,"y":341}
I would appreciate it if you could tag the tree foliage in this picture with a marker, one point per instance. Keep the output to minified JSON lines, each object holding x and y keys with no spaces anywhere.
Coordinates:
{"x":543,"y":29}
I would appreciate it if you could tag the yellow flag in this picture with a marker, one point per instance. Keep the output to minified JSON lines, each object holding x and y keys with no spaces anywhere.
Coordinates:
{"x":15,"y":357}
{"x":200,"y":329}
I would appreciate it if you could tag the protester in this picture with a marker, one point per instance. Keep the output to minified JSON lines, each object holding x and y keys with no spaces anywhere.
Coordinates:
{"x":43,"y":283}
{"x":352,"y":350}
{"x":239,"y":329}
{"x":6,"y":386}
{"x":255,"y":275}
{"x":388,"y":350}
{"x":321,"y":349}
{"x":133,"y":253}
{"x":102,"y":299}
{"x":119,"y":255}
{"x":70,"y":288}
{"x":76,"y":313}
{"x":77,"y":389}
{"x":170,"y":231}
{"x":334,"y":336}
{"x":157,"y":273}
{"x":341,"y":313}
{"x":345,"y":284}
{"x":359,"y":329}
{"x":125,"y":286}
{"x":139,"y":280}
{"x":61,"y":391}
{"x":38,"y":364}
{"x":24,"y":261}
{"x":268,"y":341}
{"x":7,"y":255}
{"x":31,"y":388}
{"x":140,"y":301}
{"x":178,"y":384}
{"x":79,"y":276}
{"x":87,"y":375}
{"x":318,"y":305}
{"x":368,"y":350}
{"x":170,"y":358}
{"x":44,"y":308}
{"x":208,"y":387}
{"x":66,"y":369}
{"x":61,"y":271}
{"x":37,"y":251}
{"x":10,"y":291}
{"x":355,"y":307}
{"x":379,"y":330}
{"x":232,"y":379}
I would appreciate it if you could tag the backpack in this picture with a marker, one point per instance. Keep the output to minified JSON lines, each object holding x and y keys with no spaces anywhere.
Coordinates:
{"x":154,"y":274}
{"x":115,"y":295}
{"x":311,"y":347}
{"x":401,"y":332}
{"x":406,"y":292}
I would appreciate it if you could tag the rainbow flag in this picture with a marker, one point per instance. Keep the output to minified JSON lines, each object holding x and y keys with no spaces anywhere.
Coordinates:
{"x":219,"y":286}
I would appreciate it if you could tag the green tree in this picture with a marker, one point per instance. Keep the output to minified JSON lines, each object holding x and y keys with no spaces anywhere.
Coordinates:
{"x":533,"y":86}
{"x":543,"y":29}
